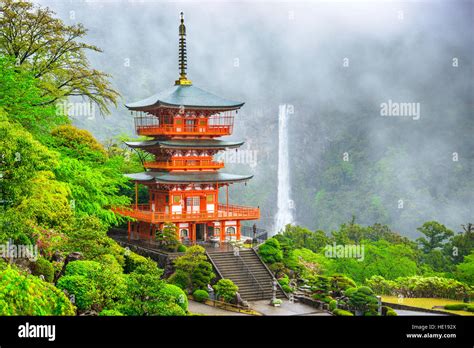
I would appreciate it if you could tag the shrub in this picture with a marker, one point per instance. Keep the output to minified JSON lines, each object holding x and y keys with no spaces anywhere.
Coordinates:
{"x":81,"y":288}
{"x":28,"y":295}
{"x":332,"y":305}
{"x":104,"y":282}
{"x":362,"y":299}
{"x":456,"y":306}
{"x":470,"y":308}
{"x":110,"y":313}
{"x":270,"y":251}
{"x":193,"y":271}
{"x":170,"y":293}
{"x":390,"y":312}
{"x":180,"y":279}
{"x":110,"y":262}
{"x":132,"y":261}
{"x":83,"y":268}
{"x":285,"y":284}
{"x":201,"y":295}
{"x":342,"y":313}
{"x":226,"y":289}
{"x":416,"y":286}
{"x":182,"y":248}
{"x":43,"y":267}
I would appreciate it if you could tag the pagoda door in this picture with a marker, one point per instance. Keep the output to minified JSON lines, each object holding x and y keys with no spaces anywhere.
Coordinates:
{"x":192,"y":204}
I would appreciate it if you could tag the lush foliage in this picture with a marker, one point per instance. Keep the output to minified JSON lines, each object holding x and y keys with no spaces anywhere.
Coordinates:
{"x":192,"y":270}
{"x":200,"y":295}
{"x":22,"y":294}
{"x":418,"y":286}
{"x":270,"y":251}
{"x":226,"y":290}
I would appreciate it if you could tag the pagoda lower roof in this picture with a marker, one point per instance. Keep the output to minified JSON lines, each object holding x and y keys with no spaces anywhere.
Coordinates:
{"x":183,"y":178}
{"x":187,"y":96}
{"x":186,"y":143}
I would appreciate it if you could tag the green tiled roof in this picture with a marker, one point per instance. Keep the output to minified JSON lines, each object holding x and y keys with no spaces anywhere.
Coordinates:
{"x":188,"y":96}
{"x":185,"y":143}
{"x":166,"y":177}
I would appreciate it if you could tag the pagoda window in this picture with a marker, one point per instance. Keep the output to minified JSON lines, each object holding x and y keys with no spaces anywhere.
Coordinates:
{"x":230,"y":230}
{"x":184,"y":233}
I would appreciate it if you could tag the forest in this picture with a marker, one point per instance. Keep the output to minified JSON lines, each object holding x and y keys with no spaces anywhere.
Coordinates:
{"x":59,"y":184}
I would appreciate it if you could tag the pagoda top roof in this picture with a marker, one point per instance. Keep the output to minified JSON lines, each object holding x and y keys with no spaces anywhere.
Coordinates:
{"x":186,"y":143}
{"x":178,"y":178}
{"x":187,"y":96}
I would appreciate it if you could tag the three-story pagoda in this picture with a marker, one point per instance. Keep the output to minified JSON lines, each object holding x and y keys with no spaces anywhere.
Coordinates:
{"x":183,"y":180}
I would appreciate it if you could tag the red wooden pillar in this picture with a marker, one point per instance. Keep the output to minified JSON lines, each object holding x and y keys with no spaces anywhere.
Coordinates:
{"x":193,"y":232}
{"x":222,"y":231}
{"x":128,"y":230}
{"x":238,"y":230}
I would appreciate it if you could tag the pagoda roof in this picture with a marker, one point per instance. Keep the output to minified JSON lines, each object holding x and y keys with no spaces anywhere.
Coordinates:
{"x":186,"y":143}
{"x":177,"y":178}
{"x":187,"y":96}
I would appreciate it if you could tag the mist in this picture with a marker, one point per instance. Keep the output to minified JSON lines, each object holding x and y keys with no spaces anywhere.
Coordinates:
{"x":334,"y":64}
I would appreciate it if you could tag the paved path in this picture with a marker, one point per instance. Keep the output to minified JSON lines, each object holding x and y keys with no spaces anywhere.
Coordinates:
{"x":199,"y":308}
{"x":286,"y":308}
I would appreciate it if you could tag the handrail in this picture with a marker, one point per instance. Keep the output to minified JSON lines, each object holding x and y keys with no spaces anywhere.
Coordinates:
{"x":214,"y":265}
{"x":242,"y":262}
{"x":270,"y":272}
{"x":223,"y":211}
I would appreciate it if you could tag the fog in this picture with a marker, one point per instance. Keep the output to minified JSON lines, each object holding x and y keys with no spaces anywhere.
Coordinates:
{"x":334,"y":64}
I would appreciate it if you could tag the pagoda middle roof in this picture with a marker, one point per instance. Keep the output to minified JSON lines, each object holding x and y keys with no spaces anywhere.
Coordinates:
{"x":186,"y":143}
{"x":187,"y":96}
{"x":196,"y":177}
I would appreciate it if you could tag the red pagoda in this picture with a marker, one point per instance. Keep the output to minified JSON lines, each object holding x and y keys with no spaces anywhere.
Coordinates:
{"x":184,"y":123}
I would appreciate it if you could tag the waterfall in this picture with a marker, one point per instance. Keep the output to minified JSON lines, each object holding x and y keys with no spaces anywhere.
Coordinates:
{"x":284,"y":215}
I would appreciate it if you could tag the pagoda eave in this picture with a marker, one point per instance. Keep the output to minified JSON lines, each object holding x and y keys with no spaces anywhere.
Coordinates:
{"x":186,"y":178}
{"x":185,"y":144}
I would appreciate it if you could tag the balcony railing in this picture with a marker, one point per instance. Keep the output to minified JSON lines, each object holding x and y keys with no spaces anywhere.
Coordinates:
{"x":185,"y":163}
{"x":217,"y":125}
{"x":142,"y":212}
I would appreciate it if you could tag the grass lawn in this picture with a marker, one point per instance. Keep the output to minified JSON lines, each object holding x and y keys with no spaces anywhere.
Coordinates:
{"x":426,"y":303}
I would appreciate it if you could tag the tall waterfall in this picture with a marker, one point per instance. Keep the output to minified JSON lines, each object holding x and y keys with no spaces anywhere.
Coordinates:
{"x":284,"y":215}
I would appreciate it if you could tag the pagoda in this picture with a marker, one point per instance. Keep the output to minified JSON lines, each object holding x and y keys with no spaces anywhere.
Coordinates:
{"x":184,"y":124}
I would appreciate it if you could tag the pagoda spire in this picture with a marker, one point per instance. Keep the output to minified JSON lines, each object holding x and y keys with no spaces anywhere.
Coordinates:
{"x":183,"y":80}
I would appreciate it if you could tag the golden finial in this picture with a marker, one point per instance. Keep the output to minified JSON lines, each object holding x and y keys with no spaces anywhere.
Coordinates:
{"x":183,"y":80}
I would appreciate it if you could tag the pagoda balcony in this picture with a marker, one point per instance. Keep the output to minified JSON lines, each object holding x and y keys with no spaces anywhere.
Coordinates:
{"x":186,"y":163}
{"x":214,"y":126}
{"x":143,"y":212}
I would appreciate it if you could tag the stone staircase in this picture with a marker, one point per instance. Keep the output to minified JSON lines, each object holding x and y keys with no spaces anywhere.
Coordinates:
{"x":248,"y":272}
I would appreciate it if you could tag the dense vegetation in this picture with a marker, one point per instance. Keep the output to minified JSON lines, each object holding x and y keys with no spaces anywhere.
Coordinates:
{"x":439,"y":264}
{"x":58,"y":183}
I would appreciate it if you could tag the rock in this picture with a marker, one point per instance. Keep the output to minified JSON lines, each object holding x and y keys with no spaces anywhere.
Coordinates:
{"x":75,"y":256}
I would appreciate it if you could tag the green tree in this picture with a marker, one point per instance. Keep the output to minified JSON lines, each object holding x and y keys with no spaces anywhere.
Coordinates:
{"x":147,"y":294}
{"x":167,"y":237}
{"x":465,"y":270}
{"x":192,"y":270}
{"x":226,"y":290}
{"x":53,"y":52}
{"x":270,"y":251}
{"x":435,"y":234}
